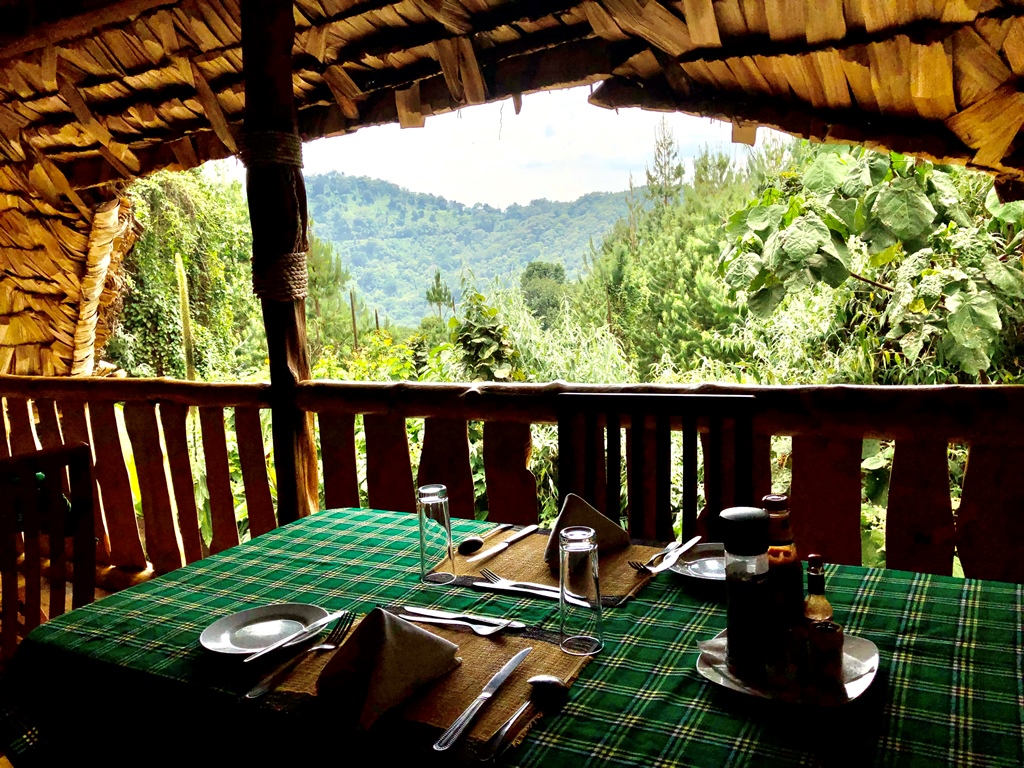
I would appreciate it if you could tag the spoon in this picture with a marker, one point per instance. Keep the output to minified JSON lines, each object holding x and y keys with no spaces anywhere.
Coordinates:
{"x":471,"y":544}
{"x":547,"y":694}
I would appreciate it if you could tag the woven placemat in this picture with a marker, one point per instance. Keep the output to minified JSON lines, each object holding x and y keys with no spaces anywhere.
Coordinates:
{"x":524,"y":561}
{"x":438,"y":704}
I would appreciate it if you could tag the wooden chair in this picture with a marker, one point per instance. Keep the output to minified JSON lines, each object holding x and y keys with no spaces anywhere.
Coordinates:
{"x":589,"y":463}
{"x":46,"y":518}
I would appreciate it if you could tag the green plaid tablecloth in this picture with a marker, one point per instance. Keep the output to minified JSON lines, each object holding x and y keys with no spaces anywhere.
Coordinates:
{"x":950,"y":689}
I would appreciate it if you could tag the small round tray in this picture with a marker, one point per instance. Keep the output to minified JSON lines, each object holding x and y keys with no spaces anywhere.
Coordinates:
{"x":254,"y":629}
{"x":861,"y":649}
{"x":704,"y":561}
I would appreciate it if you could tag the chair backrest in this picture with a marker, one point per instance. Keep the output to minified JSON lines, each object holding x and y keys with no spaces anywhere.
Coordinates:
{"x":590,"y":455}
{"x":46,"y":518}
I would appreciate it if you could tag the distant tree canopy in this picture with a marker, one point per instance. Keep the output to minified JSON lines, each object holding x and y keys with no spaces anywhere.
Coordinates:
{"x":393,"y":241}
{"x":543,"y":285}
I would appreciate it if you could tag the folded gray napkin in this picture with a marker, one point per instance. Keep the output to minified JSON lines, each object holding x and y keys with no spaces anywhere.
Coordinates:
{"x":575,"y":511}
{"x":382,"y":664}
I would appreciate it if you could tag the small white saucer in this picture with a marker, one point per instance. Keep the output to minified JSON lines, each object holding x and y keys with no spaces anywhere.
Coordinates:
{"x":255,"y":628}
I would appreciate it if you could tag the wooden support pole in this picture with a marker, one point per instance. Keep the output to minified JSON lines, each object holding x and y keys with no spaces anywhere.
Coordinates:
{"x":277,"y":209}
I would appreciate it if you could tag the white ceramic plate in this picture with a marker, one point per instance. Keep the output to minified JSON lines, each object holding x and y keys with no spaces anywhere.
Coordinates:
{"x":256,"y":628}
{"x":859,"y":648}
{"x":704,"y":561}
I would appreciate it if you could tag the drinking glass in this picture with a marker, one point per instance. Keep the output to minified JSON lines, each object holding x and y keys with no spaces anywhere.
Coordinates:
{"x":579,"y":592}
{"x":437,"y":557}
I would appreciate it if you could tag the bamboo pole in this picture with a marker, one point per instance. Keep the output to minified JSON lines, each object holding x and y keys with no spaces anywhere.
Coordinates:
{"x":277,"y":208}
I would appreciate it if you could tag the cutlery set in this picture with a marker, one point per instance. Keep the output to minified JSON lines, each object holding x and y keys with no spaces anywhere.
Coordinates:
{"x":479,"y":624}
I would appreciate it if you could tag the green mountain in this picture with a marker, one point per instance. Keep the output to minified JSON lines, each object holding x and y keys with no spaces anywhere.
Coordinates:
{"x":392,"y":240}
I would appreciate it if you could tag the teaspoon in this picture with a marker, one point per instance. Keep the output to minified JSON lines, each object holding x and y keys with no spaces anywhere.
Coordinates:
{"x":547,"y":693}
{"x":471,"y":544}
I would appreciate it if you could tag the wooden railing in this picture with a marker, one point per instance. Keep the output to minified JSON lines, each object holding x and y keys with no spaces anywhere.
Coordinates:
{"x":828,"y":426}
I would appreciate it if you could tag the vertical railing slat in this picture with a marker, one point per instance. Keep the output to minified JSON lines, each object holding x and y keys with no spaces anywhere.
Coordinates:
{"x":919,"y":532}
{"x":27,"y":500}
{"x":825,"y":498}
{"x":338,"y":454}
{"x":218,"y":479}
{"x":161,"y":542}
{"x":5,"y":447}
{"x":9,"y":537}
{"x":388,"y":468}
{"x":75,"y":426}
{"x":115,"y":489}
{"x":48,"y":427}
{"x":445,"y":459}
{"x":990,"y":520}
{"x":511,"y":486}
{"x":762,"y":467}
{"x":253,"y":460}
{"x":56,"y":514}
{"x":19,"y":414}
{"x":174,"y":421}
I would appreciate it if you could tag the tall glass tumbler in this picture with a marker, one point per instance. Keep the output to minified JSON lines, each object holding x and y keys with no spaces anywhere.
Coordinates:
{"x":579,"y":592}
{"x":437,"y":556}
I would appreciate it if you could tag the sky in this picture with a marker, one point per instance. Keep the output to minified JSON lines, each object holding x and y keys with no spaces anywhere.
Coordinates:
{"x":559,"y":147}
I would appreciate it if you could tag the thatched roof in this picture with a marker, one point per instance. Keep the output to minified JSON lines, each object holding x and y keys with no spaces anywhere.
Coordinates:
{"x":93,"y":94}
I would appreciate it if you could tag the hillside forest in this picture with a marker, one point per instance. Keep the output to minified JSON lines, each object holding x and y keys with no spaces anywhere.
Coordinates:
{"x":803,"y":264}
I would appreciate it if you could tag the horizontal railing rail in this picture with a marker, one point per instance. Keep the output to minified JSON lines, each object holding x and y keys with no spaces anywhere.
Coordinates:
{"x":147,"y":429}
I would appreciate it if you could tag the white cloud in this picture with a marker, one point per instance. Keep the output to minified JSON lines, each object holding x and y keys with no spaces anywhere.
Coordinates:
{"x":559,"y":147}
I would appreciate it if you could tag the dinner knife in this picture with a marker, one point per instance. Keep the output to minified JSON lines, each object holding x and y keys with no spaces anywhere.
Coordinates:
{"x":671,"y":558}
{"x":302,"y":634}
{"x":502,"y":546}
{"x":468,"y":616}
{"x":462,"y":721}
{"x":549,"y":594}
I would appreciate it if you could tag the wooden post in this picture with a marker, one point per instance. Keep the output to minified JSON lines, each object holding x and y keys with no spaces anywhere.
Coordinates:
{"x":277,"y":207}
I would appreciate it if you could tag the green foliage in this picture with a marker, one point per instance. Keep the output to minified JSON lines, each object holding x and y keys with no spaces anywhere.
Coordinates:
{"x":925,"y":291}
{"x":328,"y":313}
{"x":204,"y":223}
{"x":487,"y":350}
{"x":654,"y":281}
{"x":543,"y":286}
{"x":440,"y":295}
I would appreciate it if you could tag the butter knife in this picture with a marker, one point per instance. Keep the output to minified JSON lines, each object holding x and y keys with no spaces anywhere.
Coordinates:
{"x":467,"y":616}
{"x":302,"y":634}
{"x":502,"y":546}
{"x":462,"y":721}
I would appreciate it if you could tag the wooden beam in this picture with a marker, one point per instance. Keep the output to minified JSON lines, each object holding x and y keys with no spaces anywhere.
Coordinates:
{"x":77,"y":26}
{"x":277,"y":207}
{"x":922,"y":138}
{"x":212,"y":108}
{"x":121,"y":157}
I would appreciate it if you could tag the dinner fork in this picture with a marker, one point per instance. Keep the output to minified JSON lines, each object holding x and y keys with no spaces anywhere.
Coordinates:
{"x":637,"y":565}
{"x":494,"y":578}
{"x":333,"y":639}
{"x":671,"y":557}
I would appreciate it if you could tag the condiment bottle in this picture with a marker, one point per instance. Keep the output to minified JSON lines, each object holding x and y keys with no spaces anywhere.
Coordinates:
{"x":816,"y":606}
{"x":785,"y":594}
{"x":746,"y":581}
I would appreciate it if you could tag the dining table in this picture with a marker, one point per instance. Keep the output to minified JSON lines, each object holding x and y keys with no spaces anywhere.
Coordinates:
{"x":125,"y":679}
